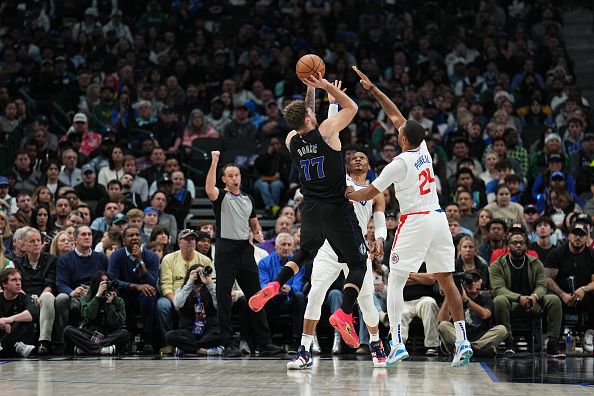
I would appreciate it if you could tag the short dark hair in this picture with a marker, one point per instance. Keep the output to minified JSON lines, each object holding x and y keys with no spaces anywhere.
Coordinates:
{"x":503,"y":164}
{"x":497,"y":221}
{"x":414,"y":132}
{"x":114,"y":181}
{"x":544,"y":219}
{"x":295,"y":114}
{"x":512,"y":178}
{"x":229,"y":165}
{"x":464,"y":171}
{"x":7,"y":273}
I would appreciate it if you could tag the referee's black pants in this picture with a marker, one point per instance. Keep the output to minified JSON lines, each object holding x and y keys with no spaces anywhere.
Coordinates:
{"x":234,"y":260}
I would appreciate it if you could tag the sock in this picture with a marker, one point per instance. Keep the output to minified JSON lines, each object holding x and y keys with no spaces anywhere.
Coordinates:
{"x":373,"y":337}
{"x":284,"y":275}
{"x":306,"y":340}
{"x":460,"y":327}
{"x":349,"y":296}
{"x":397,"y":334}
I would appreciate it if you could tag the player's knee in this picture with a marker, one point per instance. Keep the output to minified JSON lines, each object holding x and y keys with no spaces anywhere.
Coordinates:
{"x":356,"y":274}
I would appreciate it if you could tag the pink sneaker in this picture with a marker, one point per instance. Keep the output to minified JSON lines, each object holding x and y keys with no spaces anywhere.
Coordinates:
{"x":344,"y":324}
{"x":259,"y":299}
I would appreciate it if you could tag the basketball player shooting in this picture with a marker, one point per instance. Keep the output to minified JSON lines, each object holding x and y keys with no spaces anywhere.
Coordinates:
{"x":423,"y":233}
{"x":326,"y":267}
{"x":325,"y":213}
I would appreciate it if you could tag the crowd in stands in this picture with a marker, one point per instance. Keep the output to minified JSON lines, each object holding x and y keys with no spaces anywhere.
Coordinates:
{"x":110,"y":108}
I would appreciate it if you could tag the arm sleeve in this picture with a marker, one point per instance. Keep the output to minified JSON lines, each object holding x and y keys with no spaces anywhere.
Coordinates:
{"x":181,"y":295}
{"x":332,"y":110}
{"x":212,"y":289}
{"x":113,"y":269}
{"x":379,"y":221}
{"x":394,"y":172}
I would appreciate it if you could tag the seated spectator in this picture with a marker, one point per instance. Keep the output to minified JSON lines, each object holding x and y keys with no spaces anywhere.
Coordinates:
{"x":282,"y":225}
{"x":181,"y":200}
{"x":7,"y":203}
{"x":115,"y":169}
{"x":24,"y":206}
{"x":478,"y":313}
{"x":544,"y":179}
{"x":519,"y":286}
{"x":103,"y":223}
{"x":62,"y":211}
{"x":61,"y":244}
{"x":38,"y":271}
{"x":73,"y":274}
{"x":103,"y":315}
{"x":544,"y":243}
{"x":419,"y":301}
{"x":135,"y":217}
{"x":140,"y":184}
{"x":496,"y":230}
{"x":155,"y":171}
{"x":27,"y":178}
{"x":133,"y":200}
{"x":570,"y":273}
{"x":273,"y":169}
{"x":467,"y":213}
{"x":70,"y":174}
{"x":137,"y":272}
{"x":4,"y":261}
{"x":291,"y":299}
{"x":503,"y":168}
{"x":156,"y":248}
{"x":149,"y":222}
{"x":514,"y":228}
{"x":196,"y":302}
{"x":159,"y":202}
{"x":197,"y":128}
{"x":173,"y":269}
{"x":580,"y":166}
{"x":18,"y":314}
{"x":503,"y":208}
{"x":467,"y":260}
{"x":203,"y":244}
{"x":168,"y":131}
{"x":40,"y":219}
{"x":110,"y":238}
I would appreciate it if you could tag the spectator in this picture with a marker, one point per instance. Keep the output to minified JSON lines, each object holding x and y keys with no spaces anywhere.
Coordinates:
{"x":102,"y":111}
{"x":27,"y":178}
{"x":155,"y":171}
{"x":273,"y":169}
{"x":204,"y":245}
{"x":89,"y":190}
{"x":137,"y":272}
{"x":468,"y":261}
{"x":61,"y":244}
{"x":282,"y":224}
{"x":419,"y":301}
{"x":168,"y":131}
{"x":291,"y":299}
{"x":24,"y":206}
{"x":174,"y":268}
{"x":17,"y":315}
{"x":159,"y":202}
{"x":519,"y":285}
{"x":62,"y":211}
{"x":581,"y":164}
{"x":70,"y":175}
{"x":73,"y":274}
{"x":103,"y":315}
{"x":544,"y":229}
{"x":197,"y":128}
{"x":196,"y":302}
{"x":140,"y":184}
{"x":503,"y":208}
{"x":496,"y":230}
{"x":103,"y":223}
{"x":7,"y":203}
{"x":90,"y":141}
{"x":115,"y":170}
{"x":478,"y":308}
{"x":181,"y":200}
{"x":38,"y":271}
{"x":570,"y":273}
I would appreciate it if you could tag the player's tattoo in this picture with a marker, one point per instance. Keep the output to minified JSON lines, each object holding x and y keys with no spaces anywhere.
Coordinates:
{"x":310,"y":99}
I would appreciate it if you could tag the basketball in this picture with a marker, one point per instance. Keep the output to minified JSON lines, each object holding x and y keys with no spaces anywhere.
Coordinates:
{"x":309,"y":64}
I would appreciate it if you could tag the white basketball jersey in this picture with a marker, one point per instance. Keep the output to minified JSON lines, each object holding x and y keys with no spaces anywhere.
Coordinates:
{"x":417,"y":191}
{"x":363,"y":209}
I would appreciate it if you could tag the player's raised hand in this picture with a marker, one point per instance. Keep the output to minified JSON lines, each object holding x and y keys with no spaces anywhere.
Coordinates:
{"x":337,"y":84}
{"x":316,"y":81}
{"x":364,"y":80}
{"x":378,"y":248}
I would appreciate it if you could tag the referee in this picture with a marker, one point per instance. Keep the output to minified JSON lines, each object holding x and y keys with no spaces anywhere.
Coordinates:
{"x":234,"y":255}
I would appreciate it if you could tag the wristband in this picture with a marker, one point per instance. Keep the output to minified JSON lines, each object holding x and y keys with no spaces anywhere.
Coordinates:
{"x":585,"y":289}
{"x":372,"y":86}
{"x":334,"y":103}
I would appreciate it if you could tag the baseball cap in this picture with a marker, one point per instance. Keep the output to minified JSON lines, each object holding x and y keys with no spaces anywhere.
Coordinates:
{"x":91,"y":11}
{"x":516,"y":228}
{"x":588,"y":136}
{"x":42,"y":119}
{"x":391,"y":214}
{"x":553,"y":136}
{"x":583,"y":218}
{"x":87,"y":168}
{"x":579,"y":228}
{"x":79,"y":117}
{"x":557,"y":174}
{"x":186,"y":233}
{"x":119,"y":218}
{"x":164,"y":179}
{"x":555,"y":158}
{"x":4,"y":181}
{"x":201,"y":235}
{"x":530,"y":209}
{"x":151,"y":209}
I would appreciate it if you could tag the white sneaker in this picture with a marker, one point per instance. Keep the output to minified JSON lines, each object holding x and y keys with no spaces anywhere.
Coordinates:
{"x":215,"y":351}
{"x":302,"y":360}
{"x":108,"y":350}
{"x":23,"y":349}
{"x":336,"y":345}
{"x":589,"y":341}
{"x":398,"y":352}
{"x":462,"y":355}
{"x":315,"y":346}
{"x":244,"y":348}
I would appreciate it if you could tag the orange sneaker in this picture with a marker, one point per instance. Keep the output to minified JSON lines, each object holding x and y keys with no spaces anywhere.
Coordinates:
{"x":258,"y":300}
{"x":344,"y":324}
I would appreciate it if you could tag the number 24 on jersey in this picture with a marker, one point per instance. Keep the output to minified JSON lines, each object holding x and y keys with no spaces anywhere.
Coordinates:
{"x":425,"y":178}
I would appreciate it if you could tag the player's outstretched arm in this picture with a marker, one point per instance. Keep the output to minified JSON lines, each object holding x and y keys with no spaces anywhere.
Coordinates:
{"x":331,"y":127}
{"x":387,"y":105}
{"x":362,"y":195}
{"x":333,"y":106}
{"x":211,"y":178}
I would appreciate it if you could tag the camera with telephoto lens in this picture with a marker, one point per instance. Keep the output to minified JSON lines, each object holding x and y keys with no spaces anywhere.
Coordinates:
{"x":112,"y":286}
{"x":206,"y":271}
{"x":463,"y":277}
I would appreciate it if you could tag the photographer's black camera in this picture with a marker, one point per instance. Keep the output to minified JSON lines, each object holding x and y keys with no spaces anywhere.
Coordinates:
{"x":463,"y":277}
{"x":112,"y":286}
{"x":206,"y":271}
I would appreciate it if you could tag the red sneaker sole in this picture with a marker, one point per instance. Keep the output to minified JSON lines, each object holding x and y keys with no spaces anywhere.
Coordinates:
{"x":260,"y":299}
{"x":346,"y":331}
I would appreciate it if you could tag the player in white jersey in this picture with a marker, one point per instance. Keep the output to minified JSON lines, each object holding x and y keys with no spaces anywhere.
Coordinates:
{"x":423,"y":234}
{"x":326,"y":268}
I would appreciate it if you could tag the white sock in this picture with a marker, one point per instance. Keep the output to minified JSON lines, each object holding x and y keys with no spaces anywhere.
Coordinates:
{"x":460,"y":327}
{"x":306,"y":340}
{"x":397,"y":334}
{"x":373,"y":337}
